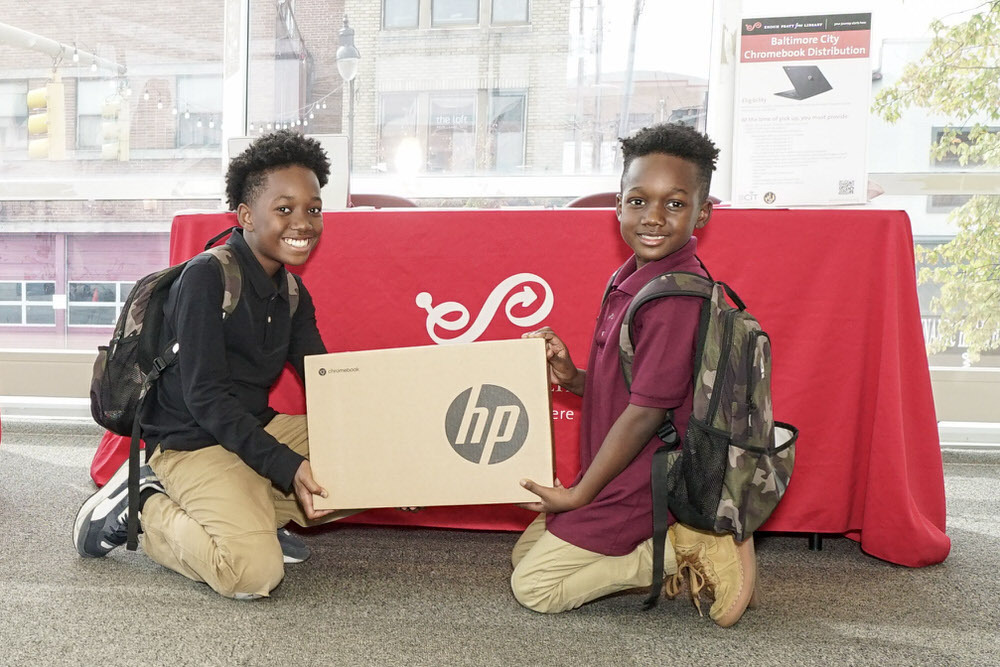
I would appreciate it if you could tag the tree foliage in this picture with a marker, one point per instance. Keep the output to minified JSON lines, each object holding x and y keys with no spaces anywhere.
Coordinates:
{"x":959,"y":76}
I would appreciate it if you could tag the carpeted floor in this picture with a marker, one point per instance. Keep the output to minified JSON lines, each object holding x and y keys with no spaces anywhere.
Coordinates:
{"x":383,"y":596}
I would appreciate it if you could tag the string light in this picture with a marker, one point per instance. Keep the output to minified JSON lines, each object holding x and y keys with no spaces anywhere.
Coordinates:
{"x":159,"y":104}
{"x":145,"y":96}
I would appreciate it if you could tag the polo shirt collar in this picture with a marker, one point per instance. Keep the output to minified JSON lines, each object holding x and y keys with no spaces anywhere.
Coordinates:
{"x":262,"y":283}
{"x":630,"y":280}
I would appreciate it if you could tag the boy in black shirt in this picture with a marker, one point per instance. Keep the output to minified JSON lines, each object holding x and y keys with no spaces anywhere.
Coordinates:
{"x":226,"y":470}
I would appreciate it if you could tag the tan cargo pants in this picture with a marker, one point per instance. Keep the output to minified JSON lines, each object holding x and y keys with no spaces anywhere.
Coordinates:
{"x":217,"y":522}
{"x":552,"y":575}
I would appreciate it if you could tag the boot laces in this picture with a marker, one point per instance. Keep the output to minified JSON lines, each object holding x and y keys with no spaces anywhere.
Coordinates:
{"x":700,"y":577}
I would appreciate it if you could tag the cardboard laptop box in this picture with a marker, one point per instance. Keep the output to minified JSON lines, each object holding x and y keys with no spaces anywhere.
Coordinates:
{"x":432,"y":425}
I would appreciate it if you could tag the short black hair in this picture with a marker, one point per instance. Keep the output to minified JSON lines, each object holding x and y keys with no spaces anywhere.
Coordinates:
{"x":284,"y":148}
{"x":677,"y":140}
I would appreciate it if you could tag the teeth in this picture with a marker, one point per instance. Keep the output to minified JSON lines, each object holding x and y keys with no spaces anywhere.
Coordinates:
{"x":297,"y":243}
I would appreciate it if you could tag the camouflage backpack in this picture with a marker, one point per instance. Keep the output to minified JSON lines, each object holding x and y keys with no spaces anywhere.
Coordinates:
{"x":130,"y":364}
{"x":735,"y":462}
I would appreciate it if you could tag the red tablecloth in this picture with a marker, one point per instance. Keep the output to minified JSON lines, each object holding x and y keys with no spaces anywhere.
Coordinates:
{"x":834,"y":288}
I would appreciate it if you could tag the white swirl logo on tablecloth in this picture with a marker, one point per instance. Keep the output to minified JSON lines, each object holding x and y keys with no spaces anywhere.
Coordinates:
{"x":453,"y":316}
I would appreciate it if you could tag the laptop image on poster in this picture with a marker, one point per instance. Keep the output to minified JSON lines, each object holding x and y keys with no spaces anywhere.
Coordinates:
{"x":808,"y":82}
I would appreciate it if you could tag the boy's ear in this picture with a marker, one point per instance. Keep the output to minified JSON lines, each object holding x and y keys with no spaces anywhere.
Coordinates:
{"x":704,"y":214}
{"x":618,"y":206}
{"x":244,"y":218}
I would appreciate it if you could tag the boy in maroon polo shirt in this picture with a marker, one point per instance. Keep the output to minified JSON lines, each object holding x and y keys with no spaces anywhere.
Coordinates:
{"x":594,"y":537}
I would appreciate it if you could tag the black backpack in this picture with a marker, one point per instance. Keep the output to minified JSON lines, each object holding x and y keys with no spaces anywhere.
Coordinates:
{"x":127,"y":368}
{"x":735,"y":462}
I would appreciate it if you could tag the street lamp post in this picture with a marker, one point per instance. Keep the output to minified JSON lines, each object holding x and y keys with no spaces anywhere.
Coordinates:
{"x":347,"y":65}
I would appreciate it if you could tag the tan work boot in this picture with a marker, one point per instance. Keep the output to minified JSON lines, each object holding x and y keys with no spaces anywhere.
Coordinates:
{"x":726,"y":570}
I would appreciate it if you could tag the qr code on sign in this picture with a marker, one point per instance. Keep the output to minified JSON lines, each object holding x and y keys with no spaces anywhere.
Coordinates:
{"x":846,"y":187}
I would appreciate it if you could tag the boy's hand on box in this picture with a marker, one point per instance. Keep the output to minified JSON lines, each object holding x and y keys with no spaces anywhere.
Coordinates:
{"x":305,"y":487}
{"x":562,"y":370}
{"x":556,"y":498}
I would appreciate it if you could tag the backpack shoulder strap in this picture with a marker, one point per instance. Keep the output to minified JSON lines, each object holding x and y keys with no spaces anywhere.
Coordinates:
{"x":607,"y":288}
{"x":672,"y":283}
{"x":232,"y":278}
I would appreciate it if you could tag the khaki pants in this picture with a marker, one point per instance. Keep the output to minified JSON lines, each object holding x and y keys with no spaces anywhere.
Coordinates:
{"x":552,"y":575}
{"x":218,"y":521}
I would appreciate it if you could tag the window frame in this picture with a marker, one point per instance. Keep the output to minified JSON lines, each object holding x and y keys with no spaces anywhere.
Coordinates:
{"x":527,"y":15}
{"x":465,"y":23}
{"x":385,"y":13}
{"x":24,"y":302}
{"x":122,"y":290}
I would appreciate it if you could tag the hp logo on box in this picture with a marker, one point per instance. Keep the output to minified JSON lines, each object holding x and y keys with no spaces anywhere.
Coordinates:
{"x":486,"y":424}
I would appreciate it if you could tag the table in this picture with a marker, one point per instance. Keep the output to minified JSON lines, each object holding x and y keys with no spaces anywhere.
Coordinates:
{"x":834,"y":288}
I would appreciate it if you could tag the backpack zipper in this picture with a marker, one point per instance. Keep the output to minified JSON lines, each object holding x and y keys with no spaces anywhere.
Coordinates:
{"x":727,"y":342}
{"x":751,"y":366}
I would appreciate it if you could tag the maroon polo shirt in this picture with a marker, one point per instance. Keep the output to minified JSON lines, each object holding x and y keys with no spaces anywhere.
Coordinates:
{"x":621,"y":516}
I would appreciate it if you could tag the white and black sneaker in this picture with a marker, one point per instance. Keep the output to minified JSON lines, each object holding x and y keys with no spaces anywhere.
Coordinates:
{"x":293,"y":550}
{"x":102,"y":522}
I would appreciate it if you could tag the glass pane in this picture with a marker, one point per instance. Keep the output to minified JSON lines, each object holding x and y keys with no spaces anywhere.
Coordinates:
{"x":400,"y":13}
{"x":92,"y":315}
{"x":510,"y":11}
{"x":41,"y":315}
{"x":13,"y":99}
{"x":451,"y":140}
{"x":93,"y":93}
{"x":10,"y":291}
{"x":10,"y":314}
{"x":454,"y":12}
{"x":91,"y":292}
{"x":397,"y":125}
{"x":507,"y":132}
{"x":123,"y":291}
{"x":40,"y":291}
{"x":132,"y":54}
{"x":88,"y":132}
{"x":571,"y":66}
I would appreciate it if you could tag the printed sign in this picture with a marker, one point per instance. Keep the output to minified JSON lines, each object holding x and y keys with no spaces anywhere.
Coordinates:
{"x":803,"y":85}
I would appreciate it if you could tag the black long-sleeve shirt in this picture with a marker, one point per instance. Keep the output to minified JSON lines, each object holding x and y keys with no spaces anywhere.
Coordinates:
{"x":217,"y":392}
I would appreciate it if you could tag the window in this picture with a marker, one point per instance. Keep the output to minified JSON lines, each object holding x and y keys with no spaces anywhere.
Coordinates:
{"x":199,"y":107}
{"x":510,"y":11}
{"x":951,"y":160}
{"x":91,"y":97}
{"x":446,"y":13}
{"x":398,"y":149}
{"x":27,"y":302}
{"x":451,"y":134}
{"x":506,"y":131}
{"x":400,"y":14}
{"x":96,"y":303}
{"x":946,"y":203}
{"x":13,"y":115}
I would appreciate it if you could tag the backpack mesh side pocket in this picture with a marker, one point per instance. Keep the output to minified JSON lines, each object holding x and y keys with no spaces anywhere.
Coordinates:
{"x":695,"y":482}
{"x":755,"y":482}
{"x":116,"y":385}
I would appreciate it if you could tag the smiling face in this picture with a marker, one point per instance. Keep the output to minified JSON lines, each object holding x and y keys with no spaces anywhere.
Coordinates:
{"x":660,"y":205}
{"x":284,"y":222}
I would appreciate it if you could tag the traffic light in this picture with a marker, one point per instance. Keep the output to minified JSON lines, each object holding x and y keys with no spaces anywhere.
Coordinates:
{"x":115,"y":129}
{"x":47,"y":121}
